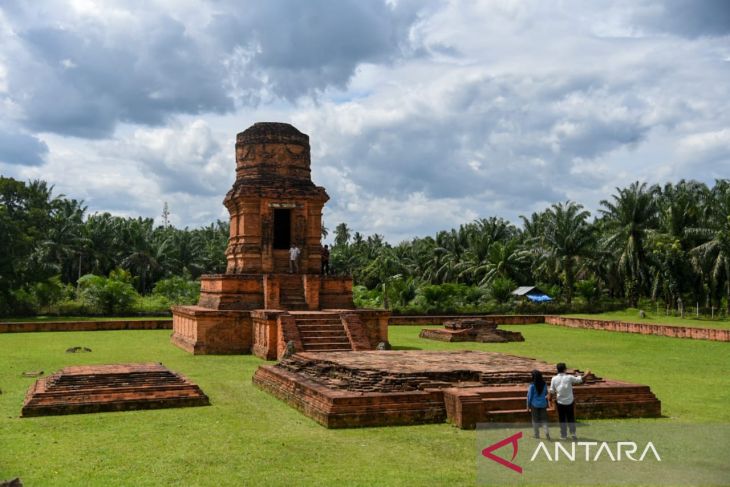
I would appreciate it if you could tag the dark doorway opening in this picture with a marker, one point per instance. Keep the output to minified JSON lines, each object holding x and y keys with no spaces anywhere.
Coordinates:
{"x":282,"y":229}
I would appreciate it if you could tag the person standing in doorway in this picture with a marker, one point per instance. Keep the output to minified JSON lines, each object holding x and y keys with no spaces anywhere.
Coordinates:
{"x":294,"y":258}
{"x":325,"y":260}
{"x":561,"y":391}
{"x":537,"y":404}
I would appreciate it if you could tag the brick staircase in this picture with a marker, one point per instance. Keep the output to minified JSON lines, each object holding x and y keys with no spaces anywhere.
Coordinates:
{"x":322,"y":332}
{"x":291,"y":293}
{"x":507,"y":404}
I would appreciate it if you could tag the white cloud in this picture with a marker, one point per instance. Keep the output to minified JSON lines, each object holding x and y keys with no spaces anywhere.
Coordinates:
{"x":421,"y":115}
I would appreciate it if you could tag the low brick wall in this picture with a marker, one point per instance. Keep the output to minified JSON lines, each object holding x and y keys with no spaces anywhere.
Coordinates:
{"x":24,"y":327}
{"x":440,"y":319}
{"x":714,"y":334}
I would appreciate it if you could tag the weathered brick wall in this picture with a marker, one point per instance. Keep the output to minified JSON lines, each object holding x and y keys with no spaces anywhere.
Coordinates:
{"x":22,"y":327}
{"x":241,"y":291}
{"x":335,"y":293}
{"x":642,"y":328}
{"x":441,"y":319}
{"x":205,"y":331}
{"x":375,"y":323}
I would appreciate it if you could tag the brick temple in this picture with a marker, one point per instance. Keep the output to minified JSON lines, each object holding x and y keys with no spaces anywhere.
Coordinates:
{"x":257,"y":306}
{"x":372,"y":388}
{"x":102,"y":388}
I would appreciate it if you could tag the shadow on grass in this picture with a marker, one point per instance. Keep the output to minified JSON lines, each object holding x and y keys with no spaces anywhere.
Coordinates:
{"x":401,"y":347}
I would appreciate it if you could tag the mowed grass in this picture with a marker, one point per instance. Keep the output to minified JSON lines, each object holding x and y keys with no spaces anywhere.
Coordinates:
{"x":632,"y":315}
{"x":250,"y":438}
{"x":45,"y":318}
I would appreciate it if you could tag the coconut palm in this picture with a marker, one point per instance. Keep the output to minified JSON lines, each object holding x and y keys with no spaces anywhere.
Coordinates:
{"x":568,"y":238}
{"x":628,"y":220}
{"x":715,"y":235}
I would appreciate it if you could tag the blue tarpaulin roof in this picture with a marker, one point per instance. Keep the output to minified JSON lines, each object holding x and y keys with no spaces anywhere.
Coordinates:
{"x":539,"y":298}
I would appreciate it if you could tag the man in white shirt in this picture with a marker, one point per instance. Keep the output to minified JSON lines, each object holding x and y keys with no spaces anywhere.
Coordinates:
{"x":294,"y":258}
{"x":561,"y":390}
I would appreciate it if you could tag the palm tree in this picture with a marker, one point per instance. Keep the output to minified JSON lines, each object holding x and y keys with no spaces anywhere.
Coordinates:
{"x":628,"y":220}
{"x":672,"y":272}
{"x":143,"y":254}
{"x":568,"y":238}
{"x":715,"y":235}
{"x":342,"y":235}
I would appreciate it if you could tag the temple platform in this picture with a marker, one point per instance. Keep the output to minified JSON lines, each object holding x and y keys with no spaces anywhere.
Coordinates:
{"x":381,"y":388}
{"x":99,"y":388}
{"x":267,"y":332}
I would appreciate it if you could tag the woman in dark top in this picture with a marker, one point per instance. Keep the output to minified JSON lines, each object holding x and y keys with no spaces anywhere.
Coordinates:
{"x":537,"y":404}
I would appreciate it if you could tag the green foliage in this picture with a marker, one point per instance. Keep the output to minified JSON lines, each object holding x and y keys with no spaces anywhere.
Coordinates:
{"x":668,"y":244}
{"x":447,"y":298}
{"x":109,"y":295}
{"x":153,"y":304}
{"x":365,"y":298}
{"x":501,"y":289}
{"x":588,"y":290}
{"x":178,"y":290}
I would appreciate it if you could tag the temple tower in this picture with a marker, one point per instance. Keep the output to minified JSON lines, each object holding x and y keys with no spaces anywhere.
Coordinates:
{"x":258,"y":306}
{"x":273,"y":202}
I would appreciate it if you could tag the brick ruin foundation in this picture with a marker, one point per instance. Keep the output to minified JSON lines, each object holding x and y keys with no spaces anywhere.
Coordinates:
{"x":371,"y":388}
{"x":257,"y":306}
{"x":471,"y":330}
{"x":99,"y":388}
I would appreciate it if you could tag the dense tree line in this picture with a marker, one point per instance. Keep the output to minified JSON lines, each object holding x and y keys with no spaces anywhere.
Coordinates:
{"x":670,"y":244}
{"x":46,"y":240}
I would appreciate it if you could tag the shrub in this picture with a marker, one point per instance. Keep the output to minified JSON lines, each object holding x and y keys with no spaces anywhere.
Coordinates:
{"x":51,"y":291}
{"x":501,"y":289}
{"x":365,"y":298}
{"x":152,"y":305}
{"x":70,"y":307}
{"x":111,"y":295}
{"x":177,"y":290}
{"x":588,"y":290}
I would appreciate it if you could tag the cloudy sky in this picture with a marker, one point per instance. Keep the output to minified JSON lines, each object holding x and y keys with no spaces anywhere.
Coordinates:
{"x":422,"y":115}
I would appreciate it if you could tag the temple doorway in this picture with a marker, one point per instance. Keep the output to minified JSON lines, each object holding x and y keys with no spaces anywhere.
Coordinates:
{"x":282,"y":229}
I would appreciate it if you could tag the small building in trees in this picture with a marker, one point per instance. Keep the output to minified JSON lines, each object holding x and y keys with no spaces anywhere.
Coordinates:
{"x":532,"y":293}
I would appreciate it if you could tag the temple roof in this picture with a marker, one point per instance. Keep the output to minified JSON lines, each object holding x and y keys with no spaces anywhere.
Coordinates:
{"x":272,"y":133}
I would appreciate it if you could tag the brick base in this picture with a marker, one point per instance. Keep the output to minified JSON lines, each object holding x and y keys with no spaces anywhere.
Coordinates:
{"x":204,"y":331}
{"x":98,"y":388}
{"x":352,"y":389}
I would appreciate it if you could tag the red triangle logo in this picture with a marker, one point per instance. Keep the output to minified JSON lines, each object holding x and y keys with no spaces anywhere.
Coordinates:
{"x":487,"y":452}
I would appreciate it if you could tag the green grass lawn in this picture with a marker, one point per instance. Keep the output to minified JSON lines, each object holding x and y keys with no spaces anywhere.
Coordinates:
{"x":249,"y":438}
{"x":43,"y":318}
{"x":632,"y":315}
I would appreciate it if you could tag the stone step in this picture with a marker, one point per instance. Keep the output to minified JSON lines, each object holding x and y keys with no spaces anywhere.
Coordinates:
{"x":503,"y":392}
{"x":321,"y":328}
{"x":318,"y":321}
{"x":613,"y":389}
{"x":505,"y":403}
{"x":509,"y":416}
{"x":306,"y":333}
{"x":343,"y":340}
{"x":327,"y":347}
{"x":611,"y":398}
